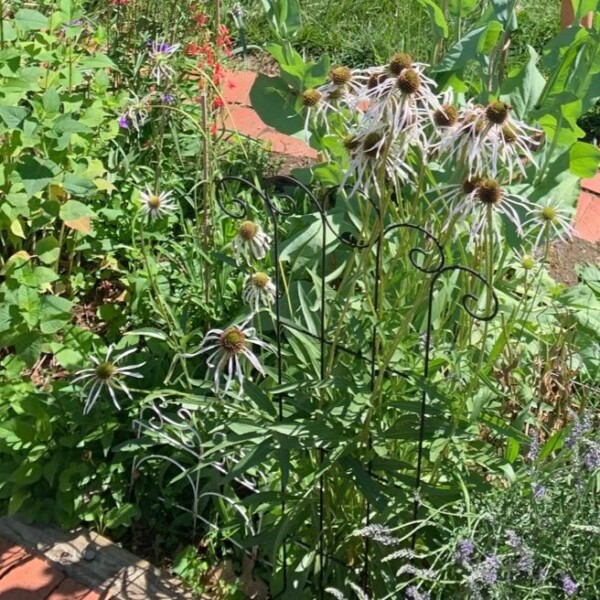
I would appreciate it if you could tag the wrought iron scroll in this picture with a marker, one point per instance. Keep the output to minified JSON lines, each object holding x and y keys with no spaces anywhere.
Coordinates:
{"x":428,"y":259}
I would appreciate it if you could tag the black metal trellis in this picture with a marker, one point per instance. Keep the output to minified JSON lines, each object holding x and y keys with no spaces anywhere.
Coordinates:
{"x":279,"y":201}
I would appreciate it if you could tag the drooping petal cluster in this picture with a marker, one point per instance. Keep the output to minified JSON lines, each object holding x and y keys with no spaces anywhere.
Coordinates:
{"x":228,"y":347}
{"x":106,"y":374}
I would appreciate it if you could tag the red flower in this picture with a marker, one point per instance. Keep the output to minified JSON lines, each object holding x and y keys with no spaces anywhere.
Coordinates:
{"x":218,"y":102}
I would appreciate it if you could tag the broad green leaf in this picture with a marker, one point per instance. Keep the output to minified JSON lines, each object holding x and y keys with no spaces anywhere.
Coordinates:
{"x":73,"y":209}
{"x":48,"y":250}
{"x":35,"y":173}
{"x":490,"y":37}
{"x":17,"y":499}
{"x":461,"y":52}
{"x":17,"y":229}
{"x":522,"y":89}
{"x":97,"y":61}
{"x":274,"y":102}
{"x":67,"y":124}
{"x":51,"y":101}
{"x":461,"y":8}
{"x":8,"y":32}
{"x":30,"y":305}
{"x":13,"y":115}
{"x":55,"y":313}
{"x":584,"y":159}
{"x":79,"y":186}
{"x":27,"y":19}
{"x":436,"y":16}
{"x":29,"y":346}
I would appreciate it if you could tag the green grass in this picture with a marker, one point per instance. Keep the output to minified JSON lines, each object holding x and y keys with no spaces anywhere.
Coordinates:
{"x":362,"y":33}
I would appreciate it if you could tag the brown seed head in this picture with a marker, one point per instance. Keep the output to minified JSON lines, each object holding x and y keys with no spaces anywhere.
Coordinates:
{"x":105,"y":371}
{"x":376,"y":79}
{"x":233,"y":340}
{"x":154,"y":201}
{"x":351,"y":142}
{"x":340,"y":75}
{"x":489,"y":191}
{"x":311,"y":97}
{"x":260,"y":280}
{"x":497,"y":111}
{"x":409,"y":81}
{"x":247,"y":230}
{"x":446,"y":115}
{"x":469,"y":185}
{"x":371,"y":144}
{"x":399,"y":62}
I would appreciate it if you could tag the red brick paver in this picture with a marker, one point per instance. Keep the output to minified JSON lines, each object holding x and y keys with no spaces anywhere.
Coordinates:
{"x":71,"y":590}
{"x":241,"y":117}
{"x":30,"y":579}
{"x":10,"y":556}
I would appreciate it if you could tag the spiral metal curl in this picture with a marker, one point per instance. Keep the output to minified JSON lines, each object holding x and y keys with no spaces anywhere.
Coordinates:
{"x":416,"y":252}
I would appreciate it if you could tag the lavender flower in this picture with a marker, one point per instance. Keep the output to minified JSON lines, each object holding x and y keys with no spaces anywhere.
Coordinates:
{"x":592,"y":457}
{"x":582,"y":425}
{"x":412,"y":593}
{"x":534,"y":447}
{"x":568,"y":585}
{"x":123,"y":122}
{"x":464,"y":552}
{"x":539,"y":491}
{"x":488,"y":569}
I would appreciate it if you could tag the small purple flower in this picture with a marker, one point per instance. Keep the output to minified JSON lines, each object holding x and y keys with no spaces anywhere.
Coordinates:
{"x":534,"y":447}
{"x":464,"y":552}
{"x":513,"y":540}
{"x":75,"y":23}
{"x":167,"y":99}
{"x":489,"y":569}
{"x":581,"y":425}
{"x":539,"y":491}
{"x":412,"y":593}
{"x":592,"y":457}
{"x":160,"y":53}
{"x":568,"y":585}
{"x":123,"y":122}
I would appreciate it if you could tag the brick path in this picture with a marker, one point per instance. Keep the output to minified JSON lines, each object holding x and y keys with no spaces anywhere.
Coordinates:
{"x":24,"y":576}
{"x":242,"y":118}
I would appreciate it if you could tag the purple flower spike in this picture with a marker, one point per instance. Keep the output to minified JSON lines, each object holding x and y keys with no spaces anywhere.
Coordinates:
{"x":568,"y":585}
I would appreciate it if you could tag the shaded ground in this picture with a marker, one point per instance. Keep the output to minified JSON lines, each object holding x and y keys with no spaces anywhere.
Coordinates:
{"x":564,"y":257}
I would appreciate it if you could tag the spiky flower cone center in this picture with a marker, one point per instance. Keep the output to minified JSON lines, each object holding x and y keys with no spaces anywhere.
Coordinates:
{"x":233,"y":340}
{"x":105,"y":371}
{"x":508,"y":134}
{"x":469,"y":185}
{"x":548,"y":214}
{"x":376,"y":79}
{"x":497,"y":112}
{"x":248,"y":231}
{"x":260,"y":280}
{"x":154,"y":202}
{"x":409,"y":81}
{"x":399,"y":62}
{"x":351,"y":142}
{"x":489,"y":191}
{"x":311,"y":97}
{"x":336,"y":93}
{"x":340,"y":75}
{"x":446,"y":115}
{"x":527,"y":262}
{"x":371,"y":144}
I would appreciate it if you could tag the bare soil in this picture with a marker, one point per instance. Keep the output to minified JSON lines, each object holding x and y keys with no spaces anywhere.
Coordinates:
{"x":564,"y":257}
